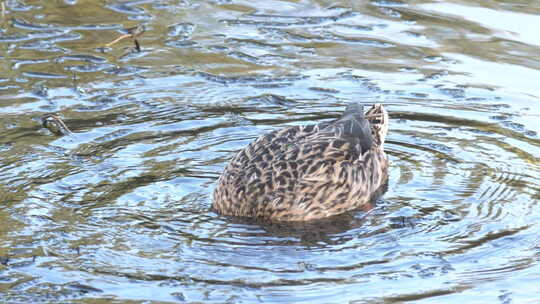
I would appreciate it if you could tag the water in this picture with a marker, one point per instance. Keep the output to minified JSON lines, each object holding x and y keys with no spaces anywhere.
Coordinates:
{"x":120,"y":210}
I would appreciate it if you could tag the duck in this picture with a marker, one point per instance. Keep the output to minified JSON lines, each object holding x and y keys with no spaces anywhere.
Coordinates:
{"x":308,"y":172}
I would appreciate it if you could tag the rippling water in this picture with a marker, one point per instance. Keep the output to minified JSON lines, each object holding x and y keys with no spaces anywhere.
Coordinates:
{"x":120,"y":209}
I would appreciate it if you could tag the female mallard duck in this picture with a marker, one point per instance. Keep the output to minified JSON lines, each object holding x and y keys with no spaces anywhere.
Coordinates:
{"x":308,"y":172}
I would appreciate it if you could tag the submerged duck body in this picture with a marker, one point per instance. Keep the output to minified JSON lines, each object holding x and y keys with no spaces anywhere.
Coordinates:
{"x":308,"y":172}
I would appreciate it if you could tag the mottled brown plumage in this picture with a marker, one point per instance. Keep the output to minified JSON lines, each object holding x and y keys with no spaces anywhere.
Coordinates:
{"x":308,"y":172}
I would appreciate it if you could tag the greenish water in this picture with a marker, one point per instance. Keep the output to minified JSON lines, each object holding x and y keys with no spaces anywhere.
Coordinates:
{"x":120,"y":209}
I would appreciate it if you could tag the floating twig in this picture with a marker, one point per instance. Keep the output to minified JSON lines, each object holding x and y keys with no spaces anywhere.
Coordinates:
{"x":3,"y":9}
{"x":133,"y":33}
{"x":74,"y":79}
{"x":55,"y":124}
{"x":118,"y":39}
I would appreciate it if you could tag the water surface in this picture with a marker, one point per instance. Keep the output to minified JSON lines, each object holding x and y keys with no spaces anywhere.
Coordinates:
{"x":120,"y":209}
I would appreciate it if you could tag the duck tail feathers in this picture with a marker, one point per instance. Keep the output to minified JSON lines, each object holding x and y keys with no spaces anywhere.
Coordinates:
{"x":354,"y":126}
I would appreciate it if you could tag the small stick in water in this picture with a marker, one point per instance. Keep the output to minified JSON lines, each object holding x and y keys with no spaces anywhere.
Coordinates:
{"x":55,"y":124}
{"x":74,"y":80}
{"x":118,"y":39}
{"x":133,"y":33}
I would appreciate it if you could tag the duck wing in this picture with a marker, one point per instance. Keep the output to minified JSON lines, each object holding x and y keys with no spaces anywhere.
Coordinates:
{"x":312,"y":179}
{"x":302,"y":168}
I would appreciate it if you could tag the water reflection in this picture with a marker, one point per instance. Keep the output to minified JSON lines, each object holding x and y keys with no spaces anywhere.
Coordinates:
{"x":120,"y":208}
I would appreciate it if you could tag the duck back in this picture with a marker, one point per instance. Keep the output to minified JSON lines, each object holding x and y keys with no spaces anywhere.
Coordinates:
{"x":304,"y":172}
